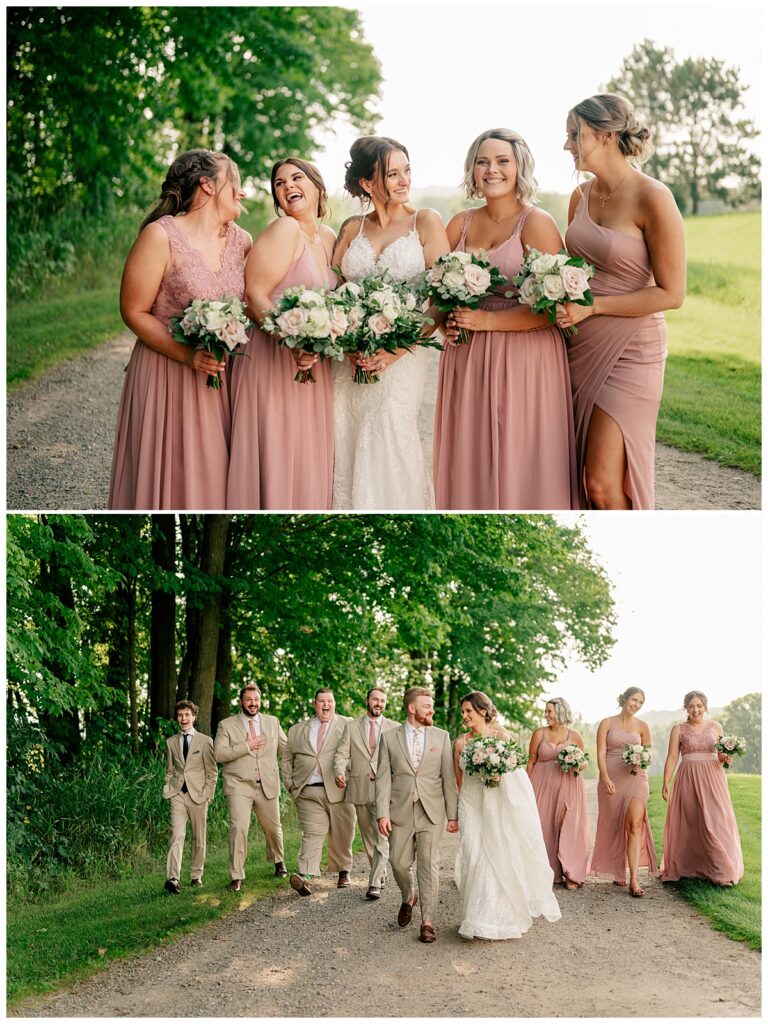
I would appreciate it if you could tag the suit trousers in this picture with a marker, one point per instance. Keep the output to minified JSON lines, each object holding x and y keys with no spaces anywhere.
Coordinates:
{"x":240,"y":806}
{"x":376,"y":845}
{"x":319,"y":818}
{"x":183,"y":809}
{"x":417,"y":839}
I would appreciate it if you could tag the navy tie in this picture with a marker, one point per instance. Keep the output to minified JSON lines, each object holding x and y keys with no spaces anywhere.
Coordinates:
{"x":186,"y":751}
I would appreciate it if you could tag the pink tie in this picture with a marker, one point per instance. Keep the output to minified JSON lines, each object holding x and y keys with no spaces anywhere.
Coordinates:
{"x":321,"y":735}
{"x":252,"y":730}
{"x":416,"y":753}
{"x":372,"y":737}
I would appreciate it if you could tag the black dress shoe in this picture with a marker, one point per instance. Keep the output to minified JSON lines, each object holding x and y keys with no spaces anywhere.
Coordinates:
{"x":236,"y":885}
{"x":280,"y":870}
{"x":172,"y":885}
{"x":301,"y":887}
{"x":196,"y":883}
{"x":343,"y":881}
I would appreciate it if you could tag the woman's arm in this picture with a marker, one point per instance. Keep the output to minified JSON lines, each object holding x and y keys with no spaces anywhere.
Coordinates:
{"x":458,"y":746}
{"x":533,"y":749}
{"x":673,"y":752}
{"x":602,"y":733}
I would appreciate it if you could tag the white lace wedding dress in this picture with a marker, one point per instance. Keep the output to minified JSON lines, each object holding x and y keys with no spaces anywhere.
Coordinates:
{"x":378,"y":458}
{"x":502,"y":870}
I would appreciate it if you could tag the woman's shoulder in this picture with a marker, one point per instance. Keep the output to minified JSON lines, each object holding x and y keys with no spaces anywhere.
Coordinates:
{"x":429,"y":218}
{"x":327,"y":232}
{"x":653,"y":196}
{"x":458,"y":743}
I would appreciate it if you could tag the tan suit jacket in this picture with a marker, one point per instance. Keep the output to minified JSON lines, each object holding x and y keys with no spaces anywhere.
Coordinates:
{"x":300,"y":760}
{"x":241,"y":766}
{"x":355,"y":760}
{"x":199,"y":771}
{"x":434,"y":784}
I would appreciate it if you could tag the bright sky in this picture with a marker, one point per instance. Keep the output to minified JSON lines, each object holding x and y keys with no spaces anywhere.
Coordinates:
{"x":687,"y":592}
{"x":453,"y":71}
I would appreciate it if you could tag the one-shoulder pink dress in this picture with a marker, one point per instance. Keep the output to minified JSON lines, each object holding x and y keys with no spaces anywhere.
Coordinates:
{"x":282,"y":431}
{"x":701,"y":837}
{"x":561,"y":798}
{"x":172,"y":435}
{"x":617,"y":362}
{"x":503,"y":421}
{"x":609,"y":856}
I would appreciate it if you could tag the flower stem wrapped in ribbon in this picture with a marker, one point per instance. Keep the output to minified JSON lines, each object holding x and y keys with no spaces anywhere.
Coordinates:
{"x":548,"y":280}
{"x":731,"y":745}
{"x":637,"y":756}
{"x":572,"y":759}
{"x":491,"y":757}
{"x":311,"y":320}
{"x":217,"y":327}
{"x":462,"y":279}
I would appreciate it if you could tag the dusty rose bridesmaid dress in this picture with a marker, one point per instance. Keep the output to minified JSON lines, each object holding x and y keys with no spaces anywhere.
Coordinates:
{"x":701,"y":837}
{"x":172,"y":435}
{"x":617,"y":362}
{"x":503,"y":422}
{"x":282,"y":431}
{"x":609,"y":856}
{"x":562,"y":802}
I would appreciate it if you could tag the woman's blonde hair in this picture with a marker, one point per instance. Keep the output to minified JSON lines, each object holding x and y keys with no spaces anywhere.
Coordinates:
{"x":526,"y":183}
{"x":692,"y":695}
{"x":610,"y":112}
{"x":563,"y":712}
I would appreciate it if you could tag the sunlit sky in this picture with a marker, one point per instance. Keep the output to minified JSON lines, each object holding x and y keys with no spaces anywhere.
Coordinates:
{"x":453,"y":71}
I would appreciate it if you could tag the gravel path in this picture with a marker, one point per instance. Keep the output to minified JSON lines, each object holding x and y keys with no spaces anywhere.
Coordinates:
{"x":61,"y":428}
{"x":336,"y":955}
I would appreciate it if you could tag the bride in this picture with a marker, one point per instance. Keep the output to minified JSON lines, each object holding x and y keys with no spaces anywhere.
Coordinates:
{"x":379,"y":462}
{"x":502,"y":870}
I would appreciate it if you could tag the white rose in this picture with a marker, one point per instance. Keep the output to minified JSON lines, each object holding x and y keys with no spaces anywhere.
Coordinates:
{"x":637,"y":748}
{"x":356,"y":317}
{"x":512,"y":760}
{"x":410,"y":301}
{"x":213,"y":319}
{"x":575,"y":281}
{"x":318,"y":322}
{"x":477,"y":279}
{"x":292,"y":323}
{"x":453,"y":280}
{"x":635,"y":759}
{"x":477,"y":757}
{"x":232,"y":334}
{"x":462,"y":257}
{"x":561,"y":259}
{"x":379,"y":324}
{"x":310,"y":298}
{"x":493,"y":758}
{"x":552,"y":286}
{"x":382,"y":296}
{"x":435,"y":275}
{"x":348,"y":290}
{"x":544,"y":264}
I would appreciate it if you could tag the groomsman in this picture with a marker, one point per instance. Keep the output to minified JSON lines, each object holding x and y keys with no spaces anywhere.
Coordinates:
{"x":247,"y":745}
{"x":190,"y":782}
{"x":415,"y":792}
{"x":359,"y":748}
{"x":308,"y":766}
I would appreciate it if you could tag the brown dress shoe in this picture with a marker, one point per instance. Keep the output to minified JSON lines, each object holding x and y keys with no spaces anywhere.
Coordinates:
{"x":374,"y":893}
{"x":405,"y":913}
{"x":172,"y":885}
{"x":236,"y":885}
{"x":427,"y":933}
{"x":280,"y":870}
{"x":301,"y":887}
{"x":343,"y":881}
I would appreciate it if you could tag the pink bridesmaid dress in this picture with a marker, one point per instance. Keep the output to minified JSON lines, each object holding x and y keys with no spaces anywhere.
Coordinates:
{"x":561,"y":798}
{"x":617,"y":362}
{"x":172,"y":435}
{"x":503,"y":422}
{"x":609,"y":857}
{"x":282,"y":431}
{"x":701,"y":837}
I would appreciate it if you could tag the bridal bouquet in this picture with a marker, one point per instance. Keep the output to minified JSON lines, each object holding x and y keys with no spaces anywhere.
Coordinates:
{"x":381,"y":315}
{"x":462,"y":279}
{"x":637,"y":757}
{"x":731,"y":745}
{"x":490,"y":758}
{"x":572,"y":758}
{"x":546,"y":281}
{"x":216,"y":326}
{"x":310,"y":320}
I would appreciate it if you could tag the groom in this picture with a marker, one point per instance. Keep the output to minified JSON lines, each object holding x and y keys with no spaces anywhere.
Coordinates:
{"x":415,"y":792}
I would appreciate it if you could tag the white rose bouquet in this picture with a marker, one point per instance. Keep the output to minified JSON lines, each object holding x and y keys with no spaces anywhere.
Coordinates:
{"x":310,"y":320}
{"x":637,"y":756}
{"x":572,"y":758}
{"x":547,"y":280}
{"x":490,"y":758}
{"x":731,"y":745}
{"x":216,"y":326}
{"x":381,"y":314}
{"x":462,"y":279}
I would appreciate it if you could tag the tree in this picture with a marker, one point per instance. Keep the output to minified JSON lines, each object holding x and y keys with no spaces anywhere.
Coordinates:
{"x":693,"y":107}
{"x":743,"y":717}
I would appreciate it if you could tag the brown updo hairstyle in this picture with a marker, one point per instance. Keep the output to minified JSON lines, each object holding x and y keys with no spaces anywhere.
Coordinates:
{"x":610,"y":112}
{"x":629,"y":692}
{"x":314,"y":176}
{"x":693,"y":694}
{"x":481,"y":703}
{"x":183,"y":180}
{"x":367,"y":155}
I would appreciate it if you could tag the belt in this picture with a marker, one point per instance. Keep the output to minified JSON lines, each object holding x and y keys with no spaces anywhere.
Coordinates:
{"x":315,"y":784}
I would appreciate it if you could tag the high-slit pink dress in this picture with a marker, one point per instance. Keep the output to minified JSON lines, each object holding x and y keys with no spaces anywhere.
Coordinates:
{"x":561,"y":798}
{"x":701,"y":837}
{"x":609,"y":856}
{"x":617,"y":362}
{"x":282,"y":431}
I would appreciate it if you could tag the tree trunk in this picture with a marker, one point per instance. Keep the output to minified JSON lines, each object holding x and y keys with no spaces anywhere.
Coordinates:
{"x":222,"y":704}
{"x":203,"y":668}
{"x":452,"y":713}
{"x":162,"y":667}
{"x":132,"y":698}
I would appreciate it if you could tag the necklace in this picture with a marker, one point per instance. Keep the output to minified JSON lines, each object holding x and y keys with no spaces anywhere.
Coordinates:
{"x":606,"y":199}
{"x":500,"y":220}
{"x":314,"y":239}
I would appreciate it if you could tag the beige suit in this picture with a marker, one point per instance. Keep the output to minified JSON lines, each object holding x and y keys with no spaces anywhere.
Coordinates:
{"x":321,"y":808}
{"x":251,"y":783}
{"x":199,"y":774}
{"x":357,"y":762}
{"x":417,"y":803}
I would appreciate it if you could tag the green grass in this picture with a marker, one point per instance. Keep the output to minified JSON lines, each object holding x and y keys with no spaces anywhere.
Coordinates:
{"x":736,"y":911}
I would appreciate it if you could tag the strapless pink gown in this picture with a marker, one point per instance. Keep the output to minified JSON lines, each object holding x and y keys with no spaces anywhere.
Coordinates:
{"x":701,"y":837}
{"x":282,"y":431}
{"x":609,"y":857}
{"x":561,"y":798}
{"x":617,"y":362}
{"x":172,"y":435}
{"x":503,"y":421}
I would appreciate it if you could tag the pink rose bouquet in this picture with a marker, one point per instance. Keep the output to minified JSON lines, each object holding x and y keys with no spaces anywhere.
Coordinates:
{"x":310,"y":320}
{"x":547,"y":280}
{"x":572,"y":759}
{"x":491,"y":757}
{"x":216,"y":326}
{"x":637,"y":756}
{"x":462,"y":279}
{"x":731,"y":745}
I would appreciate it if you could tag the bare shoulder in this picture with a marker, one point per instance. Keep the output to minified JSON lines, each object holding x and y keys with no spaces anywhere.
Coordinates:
{"x":655,"y":198}
{"x":280,"y":229}
{"x":576,"y":736}
{"x":459,"y":742}
{"x":540,"y":218}
{"x":327,"y":233}
{"x":499,"y":733}
{"x":348,"y":225}
{"x":428,"y":218}
{"x":457,"y":221}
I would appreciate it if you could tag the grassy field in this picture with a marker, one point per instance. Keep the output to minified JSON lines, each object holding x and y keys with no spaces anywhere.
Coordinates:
{"x":736,"y":911}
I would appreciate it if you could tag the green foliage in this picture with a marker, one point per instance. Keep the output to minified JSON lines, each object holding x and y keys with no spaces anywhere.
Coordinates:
{"x":743,"y":717}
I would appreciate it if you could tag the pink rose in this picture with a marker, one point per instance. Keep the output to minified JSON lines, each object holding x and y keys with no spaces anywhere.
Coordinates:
{"x":527,"y":292}
{"x":575,"y":281}
{"x":339,"y":322}
{"x":379,"y":324}
{"x":292,"y":322}
{"x":477,"y":279}
{"x":232,"y":334}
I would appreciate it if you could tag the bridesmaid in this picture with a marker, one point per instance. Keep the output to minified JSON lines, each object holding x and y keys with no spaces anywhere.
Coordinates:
{"x":503,"y":422}
{"x":623,"y":833}
{"x":701,"y":838}
{"x":628,"y":226}
{"x":282,"y":431}
{"x":560,"y":796}
{"x":172,"y":435}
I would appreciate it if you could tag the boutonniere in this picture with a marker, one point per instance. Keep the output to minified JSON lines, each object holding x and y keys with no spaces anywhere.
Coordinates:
{"x":433,"y":750}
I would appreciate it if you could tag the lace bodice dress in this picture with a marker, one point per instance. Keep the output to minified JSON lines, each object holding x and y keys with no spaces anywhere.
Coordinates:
{"x":379,"y":462}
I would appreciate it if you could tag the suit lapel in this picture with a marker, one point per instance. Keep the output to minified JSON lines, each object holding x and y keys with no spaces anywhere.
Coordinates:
{"x":404,"y":744}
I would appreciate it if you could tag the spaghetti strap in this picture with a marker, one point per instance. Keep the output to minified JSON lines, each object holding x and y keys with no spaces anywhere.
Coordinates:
{"x":465,"y":224}
{"x":362,"y":222}
{"x":521,"y":221}
{"x":416,"y":214}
